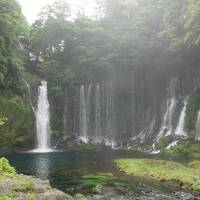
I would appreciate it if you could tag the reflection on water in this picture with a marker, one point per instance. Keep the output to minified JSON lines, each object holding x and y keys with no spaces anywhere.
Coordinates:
{"x":42,"y":165}
{"x":45,"y":165}
{"x":64,"y":169}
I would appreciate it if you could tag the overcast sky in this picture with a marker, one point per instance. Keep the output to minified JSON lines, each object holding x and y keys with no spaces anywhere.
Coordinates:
{"x":31,"y":8}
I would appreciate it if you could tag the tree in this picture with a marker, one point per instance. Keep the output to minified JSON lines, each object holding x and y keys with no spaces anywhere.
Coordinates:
{"x":13,"y":35}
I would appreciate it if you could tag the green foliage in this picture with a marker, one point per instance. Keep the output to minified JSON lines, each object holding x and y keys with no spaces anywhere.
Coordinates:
{"x":126,"y":33}
{"x":185,"y":149}
{"x":2,"y":121}
{"x":20,"y":184}
{"x":5,"y":197}
{"x":163,"y":143}
{"x":13,"y":36}
{"x":96,"y":181}
{"x":5,"y":167}
{"x":18,"y":129}
{"x":31,"y":78}
{"x":192,"y":109}
{"x":72,"y":144}
{"x":163,"y":170}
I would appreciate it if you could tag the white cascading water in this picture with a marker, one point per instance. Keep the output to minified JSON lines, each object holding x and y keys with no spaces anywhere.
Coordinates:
{"x":43,"y":120}
{"x":97,"y":114}
{"x":167,"y":128}
{"x":180,"y":129}
{"x":65,"y":117}
{"x":197,"y":135}
{"x":83,"y":115}
{"x":89,"y":108}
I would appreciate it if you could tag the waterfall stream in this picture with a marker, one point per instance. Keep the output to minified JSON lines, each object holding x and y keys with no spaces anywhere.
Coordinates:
{"x":180,"y":131}
{"x":167,"y":127}
{"x":83,"y":115}
{"x":197,"y":135}
{"x":43,"y":120}
{"x":97,"y":114}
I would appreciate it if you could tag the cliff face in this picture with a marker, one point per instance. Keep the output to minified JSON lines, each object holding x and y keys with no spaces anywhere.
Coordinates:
{"x":136,"y":103}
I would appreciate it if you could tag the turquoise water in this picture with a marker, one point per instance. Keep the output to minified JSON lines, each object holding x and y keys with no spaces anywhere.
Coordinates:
{"x":64,"y":169}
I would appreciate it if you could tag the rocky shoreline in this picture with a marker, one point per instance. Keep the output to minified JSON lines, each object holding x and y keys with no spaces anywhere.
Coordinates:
{"x":21,"y":187}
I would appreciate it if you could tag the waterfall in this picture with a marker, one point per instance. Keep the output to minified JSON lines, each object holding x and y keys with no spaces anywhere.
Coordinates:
{"x":29,"y":97}
{"x":43,"y":119}
{"x":167,"y":127}
{"x":90,"y":130}
{"x":109,"y":114}
{"x":83,"y":115}
{"x":65,"y":116}
{"x":97,"y":114}
{"x":197,"y":135}
{"x":180,"y":131}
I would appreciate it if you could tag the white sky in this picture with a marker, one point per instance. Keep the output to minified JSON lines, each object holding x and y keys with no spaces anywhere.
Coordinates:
{"x":31,"y":8}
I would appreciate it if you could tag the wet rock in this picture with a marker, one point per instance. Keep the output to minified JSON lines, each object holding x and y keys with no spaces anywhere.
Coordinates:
{"x":7,"y":185}
{"x":22,"y":196}
{"x":54,"y":195}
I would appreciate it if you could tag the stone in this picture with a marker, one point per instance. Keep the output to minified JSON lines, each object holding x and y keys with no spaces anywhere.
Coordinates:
{"x":54,"y":195}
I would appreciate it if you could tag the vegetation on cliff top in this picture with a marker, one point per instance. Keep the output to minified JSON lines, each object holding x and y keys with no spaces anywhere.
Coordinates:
{"x":123,"y":35}
{"x":162,"y":170}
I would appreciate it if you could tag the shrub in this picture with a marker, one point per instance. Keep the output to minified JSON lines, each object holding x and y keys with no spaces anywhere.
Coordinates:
{"x":163,"y":143}
{"x":5,"y":167}
{"x":185,"y":149}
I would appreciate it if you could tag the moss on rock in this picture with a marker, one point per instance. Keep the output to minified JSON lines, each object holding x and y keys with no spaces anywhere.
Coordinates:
{"x":192,"y":109}
{"x":185,"y":149}
{"x":163,"y":170}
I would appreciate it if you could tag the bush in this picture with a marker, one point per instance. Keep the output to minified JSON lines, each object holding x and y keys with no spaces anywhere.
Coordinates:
{"x":5,"y":167}
{"x":163,"y":143}
{"x":17,"y":132}
{"x":185,"y":149}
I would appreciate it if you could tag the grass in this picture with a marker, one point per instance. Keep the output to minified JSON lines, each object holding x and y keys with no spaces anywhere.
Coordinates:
{"x":96,"y":181}
{"x":188,"y":176}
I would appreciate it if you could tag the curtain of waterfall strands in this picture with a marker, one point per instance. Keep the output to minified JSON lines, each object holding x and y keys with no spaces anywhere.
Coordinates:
{"x":167,"y":127}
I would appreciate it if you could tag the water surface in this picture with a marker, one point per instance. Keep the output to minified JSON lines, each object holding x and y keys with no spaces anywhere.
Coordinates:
{"x":65,"y":169}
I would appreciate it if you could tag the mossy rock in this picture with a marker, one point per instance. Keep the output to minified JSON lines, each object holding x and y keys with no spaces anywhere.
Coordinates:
{"x":163,"y":170}
{"x":187,"y":149}
{"x":192,"y":109}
